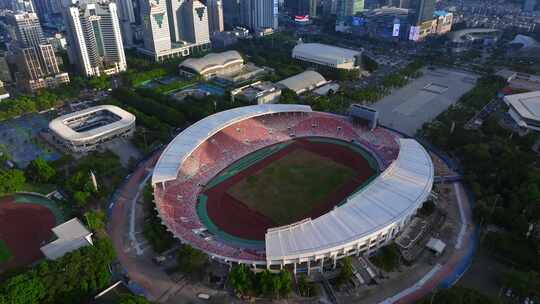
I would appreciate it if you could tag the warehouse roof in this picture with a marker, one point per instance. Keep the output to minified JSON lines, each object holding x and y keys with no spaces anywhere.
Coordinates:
{"x":304,"y":81}
{"x":324,"y":52}
{"x":212,"y":61}
{"x":471,"y":34}
{"x":186,"y":142}
{"x":404,"y":186}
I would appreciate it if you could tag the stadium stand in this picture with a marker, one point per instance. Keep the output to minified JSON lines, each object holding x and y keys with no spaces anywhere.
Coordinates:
{"x":195,"y":157}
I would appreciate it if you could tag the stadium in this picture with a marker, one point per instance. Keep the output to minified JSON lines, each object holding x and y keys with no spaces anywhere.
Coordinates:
{"x":274,"y":186}
{"x":85,"y":130}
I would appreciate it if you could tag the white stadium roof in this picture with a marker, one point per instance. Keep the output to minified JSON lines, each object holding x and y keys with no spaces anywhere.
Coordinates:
{"x":387,"y":200}
{"x":303,"y":81}
{"x":186,"y":142}
{"x":212,"y":61}
{"x":324,"y":53}
{"x":60,"y":127}
{"x":527,"y":105}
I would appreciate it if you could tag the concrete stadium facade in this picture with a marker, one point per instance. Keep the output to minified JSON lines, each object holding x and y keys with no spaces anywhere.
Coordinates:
{"x":369,"y":219}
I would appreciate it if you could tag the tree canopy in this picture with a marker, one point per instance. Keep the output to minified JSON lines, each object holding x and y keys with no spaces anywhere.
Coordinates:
{"x":39,"y":171}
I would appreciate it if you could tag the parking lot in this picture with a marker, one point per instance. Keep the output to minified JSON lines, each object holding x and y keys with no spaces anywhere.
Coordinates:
{"x":423,"y":99}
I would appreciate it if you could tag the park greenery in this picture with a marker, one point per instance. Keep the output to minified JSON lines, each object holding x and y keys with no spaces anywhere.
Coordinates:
{"x":39,"y":171}
{"x":131,"y":299}
{"x":247,"y":283}
{"x":11,"y":180}
{"x":74,"y":278}
{"x":153,"y":230}
{"x":500,"y":169}
{"x":77,"y":182}
{"x":95,"y":219}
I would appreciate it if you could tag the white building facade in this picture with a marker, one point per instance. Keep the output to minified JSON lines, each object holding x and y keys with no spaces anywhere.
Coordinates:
{"x":95,"y":43}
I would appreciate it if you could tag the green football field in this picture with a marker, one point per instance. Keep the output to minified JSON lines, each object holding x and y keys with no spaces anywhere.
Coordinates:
{"x":292,"y":187}
{"x":5,"y":254}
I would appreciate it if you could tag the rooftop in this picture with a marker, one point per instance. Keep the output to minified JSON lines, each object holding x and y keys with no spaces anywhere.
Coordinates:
{"x":325,"y":51}
{"x":212,"y":60}
{"x":60,"y":125}
{"x":72,"y":235}
{"x":526,"y":104}
{"x":304,"y":80}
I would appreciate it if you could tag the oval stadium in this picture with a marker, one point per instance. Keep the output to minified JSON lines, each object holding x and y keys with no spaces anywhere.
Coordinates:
{"x":276,"y":185}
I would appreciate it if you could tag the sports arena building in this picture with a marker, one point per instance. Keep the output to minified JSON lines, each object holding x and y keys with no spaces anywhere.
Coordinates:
{"x":327,"y":55}
{"x":368,"y":218}
{"x":85,"y":130}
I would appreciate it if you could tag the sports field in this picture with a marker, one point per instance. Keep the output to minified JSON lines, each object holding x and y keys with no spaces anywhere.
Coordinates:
{"x":283,"y":184}
{"x":26,"y":226}
{"x":295,"y":185}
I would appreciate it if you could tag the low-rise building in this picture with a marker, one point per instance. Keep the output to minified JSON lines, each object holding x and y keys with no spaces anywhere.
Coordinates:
{"x":327,"y":55}
{"x":257,"y":93}
{"x":86,"y":130}
{"x":71,"y":236}
{"x":212,"y":65}
{"x":476,"y":38}
{"x":303,"y":82}
{"x":3,"y":93}
{"x":525,"y":109}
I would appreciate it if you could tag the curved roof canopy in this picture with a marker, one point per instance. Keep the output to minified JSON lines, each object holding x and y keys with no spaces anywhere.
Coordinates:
{"x":186,"y":142}
{"x":388,"y":199}
{"x":325,"y":53}
{"x":526,"y":42}
{"x":212,"y":61}
{"x":60,"y":127}
{"x":302,"y":81}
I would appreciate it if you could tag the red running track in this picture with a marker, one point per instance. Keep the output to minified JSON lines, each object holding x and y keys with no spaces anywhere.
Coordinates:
{"x":235,"y":218}
{"x":25,"y":228}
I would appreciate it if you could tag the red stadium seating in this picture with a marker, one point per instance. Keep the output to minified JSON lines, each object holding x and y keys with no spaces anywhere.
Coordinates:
{"x":176,"y":200}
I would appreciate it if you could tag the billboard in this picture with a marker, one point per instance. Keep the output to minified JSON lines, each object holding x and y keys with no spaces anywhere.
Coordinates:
{"x":414,"y":34}
{"x":395,"y":31}
{"x":304,"y":18}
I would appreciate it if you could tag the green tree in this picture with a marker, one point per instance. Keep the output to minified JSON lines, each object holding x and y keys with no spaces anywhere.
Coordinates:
{"x":346,"y":271}
{"x":39,"y":171}
{"x":95,"y":219}
{"x":25,"y":288}
{"x":11,"y":181}
{"x":240,"y":279}
{"x":191,"y":260}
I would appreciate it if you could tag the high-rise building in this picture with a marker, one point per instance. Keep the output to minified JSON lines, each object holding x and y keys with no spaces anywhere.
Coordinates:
{"x":423,"y":10}
{"x":195,"y":25}
{"x":231,"y":13}
{"x":35,"y":61}
{"x":94,"y":38}
{"x":126,"y":15}
{"x":157,"y":37}
{"x":215,"y":15}
{"x":347,"y":8}
{"x":259,"y":14}
{"x":330,"y":7}
{"x":529,"y":5}
{"x":175,"y":14}
{"x":302,"y":7}
{"x":23,"y":6}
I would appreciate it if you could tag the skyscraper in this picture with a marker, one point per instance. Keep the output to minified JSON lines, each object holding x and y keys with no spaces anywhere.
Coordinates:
{"x":215,"y":15}
{"x":94,"y":38}
{"x":174,"y":27}
{"x":35,"y":60}
{"x":423,"y":9}
{"x":259,"y":14}
{"x":23,"y":6}
{"x":195,"y":25}
{"x":126,"y":15}
{"x":529,"y":5}
{"x":347,"y":8}
{"x":231,"y":12}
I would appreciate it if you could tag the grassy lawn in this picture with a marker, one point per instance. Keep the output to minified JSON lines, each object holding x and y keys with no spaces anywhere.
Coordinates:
{"x":5,"y":254}
{"x":39,"y":188}
{"x":292,"y":187}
